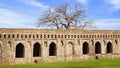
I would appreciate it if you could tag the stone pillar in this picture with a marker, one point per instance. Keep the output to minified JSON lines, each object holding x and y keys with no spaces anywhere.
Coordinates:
{"x":29,"y":51}
{"x":6,"y":52}
{"x":60,"y":49}
{"x":45,"y":50}
{"x":118,"y":46}
{"x":12,"y":54}
{"x":69,"y":50}
{"x":103,"y":46}
{"x":81,"y":51}
{"x":65,"y":49}
{"x":77,"y":47}
{"x":91,"y":47}
{"x":115,"y":48}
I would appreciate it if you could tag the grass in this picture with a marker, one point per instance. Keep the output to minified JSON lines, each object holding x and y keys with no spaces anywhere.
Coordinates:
{"x":101,"y":63}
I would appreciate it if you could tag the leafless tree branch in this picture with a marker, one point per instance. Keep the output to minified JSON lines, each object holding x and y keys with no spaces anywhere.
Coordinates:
{"x":64,"y":18}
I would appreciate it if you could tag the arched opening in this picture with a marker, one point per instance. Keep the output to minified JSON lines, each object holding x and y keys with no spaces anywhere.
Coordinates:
{"x":97,"y":48}
{"x":109,"y":47}
{"x":85,"y":48}
{"x":37,"y":50}
{"x":19,"y":50}
{"x":52,"y":49}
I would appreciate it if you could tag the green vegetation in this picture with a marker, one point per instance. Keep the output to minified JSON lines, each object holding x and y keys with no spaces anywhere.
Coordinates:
{"x":102,"y":63}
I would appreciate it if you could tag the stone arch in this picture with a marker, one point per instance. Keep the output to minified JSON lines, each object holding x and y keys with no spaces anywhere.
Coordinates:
{"x":109,"y":47}
{"x":71,"y":48}
{"x":20,"y":50}
{"x":52,"y":49}
{"x":97,"y":48}
{"x":85,"y":48}
{"x":36,"y":50}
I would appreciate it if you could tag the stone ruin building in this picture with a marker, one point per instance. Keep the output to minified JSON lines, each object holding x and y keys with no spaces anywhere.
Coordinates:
{"x":19,"y":46}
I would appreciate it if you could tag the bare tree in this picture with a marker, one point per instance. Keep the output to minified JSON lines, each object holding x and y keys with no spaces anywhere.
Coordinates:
{"x":65,"y":17}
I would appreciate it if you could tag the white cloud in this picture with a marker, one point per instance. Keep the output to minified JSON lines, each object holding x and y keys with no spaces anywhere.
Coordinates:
{"x":34,"y":3}
{"x":83,"y":1}
{"x":16,"y":26}
{"x":13,"y":19}
{"x":115,"y":4}
{"x":10,"y":18}
{"x":108,"y":24}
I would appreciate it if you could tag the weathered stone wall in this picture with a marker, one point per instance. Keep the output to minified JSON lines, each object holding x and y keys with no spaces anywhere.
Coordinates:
{"x":18,"y":46}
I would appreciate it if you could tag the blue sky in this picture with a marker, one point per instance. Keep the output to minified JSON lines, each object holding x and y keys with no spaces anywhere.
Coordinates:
{"x":25,"y":13}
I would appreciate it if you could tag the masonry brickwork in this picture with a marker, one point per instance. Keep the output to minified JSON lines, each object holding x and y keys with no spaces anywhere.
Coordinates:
{"x":19,"y":46}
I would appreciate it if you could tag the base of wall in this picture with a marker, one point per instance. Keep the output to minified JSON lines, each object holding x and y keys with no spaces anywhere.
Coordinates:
{"x":56,"y":58}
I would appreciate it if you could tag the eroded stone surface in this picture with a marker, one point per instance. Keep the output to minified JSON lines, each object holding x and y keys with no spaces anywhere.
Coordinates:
{"x":19,"y":46}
